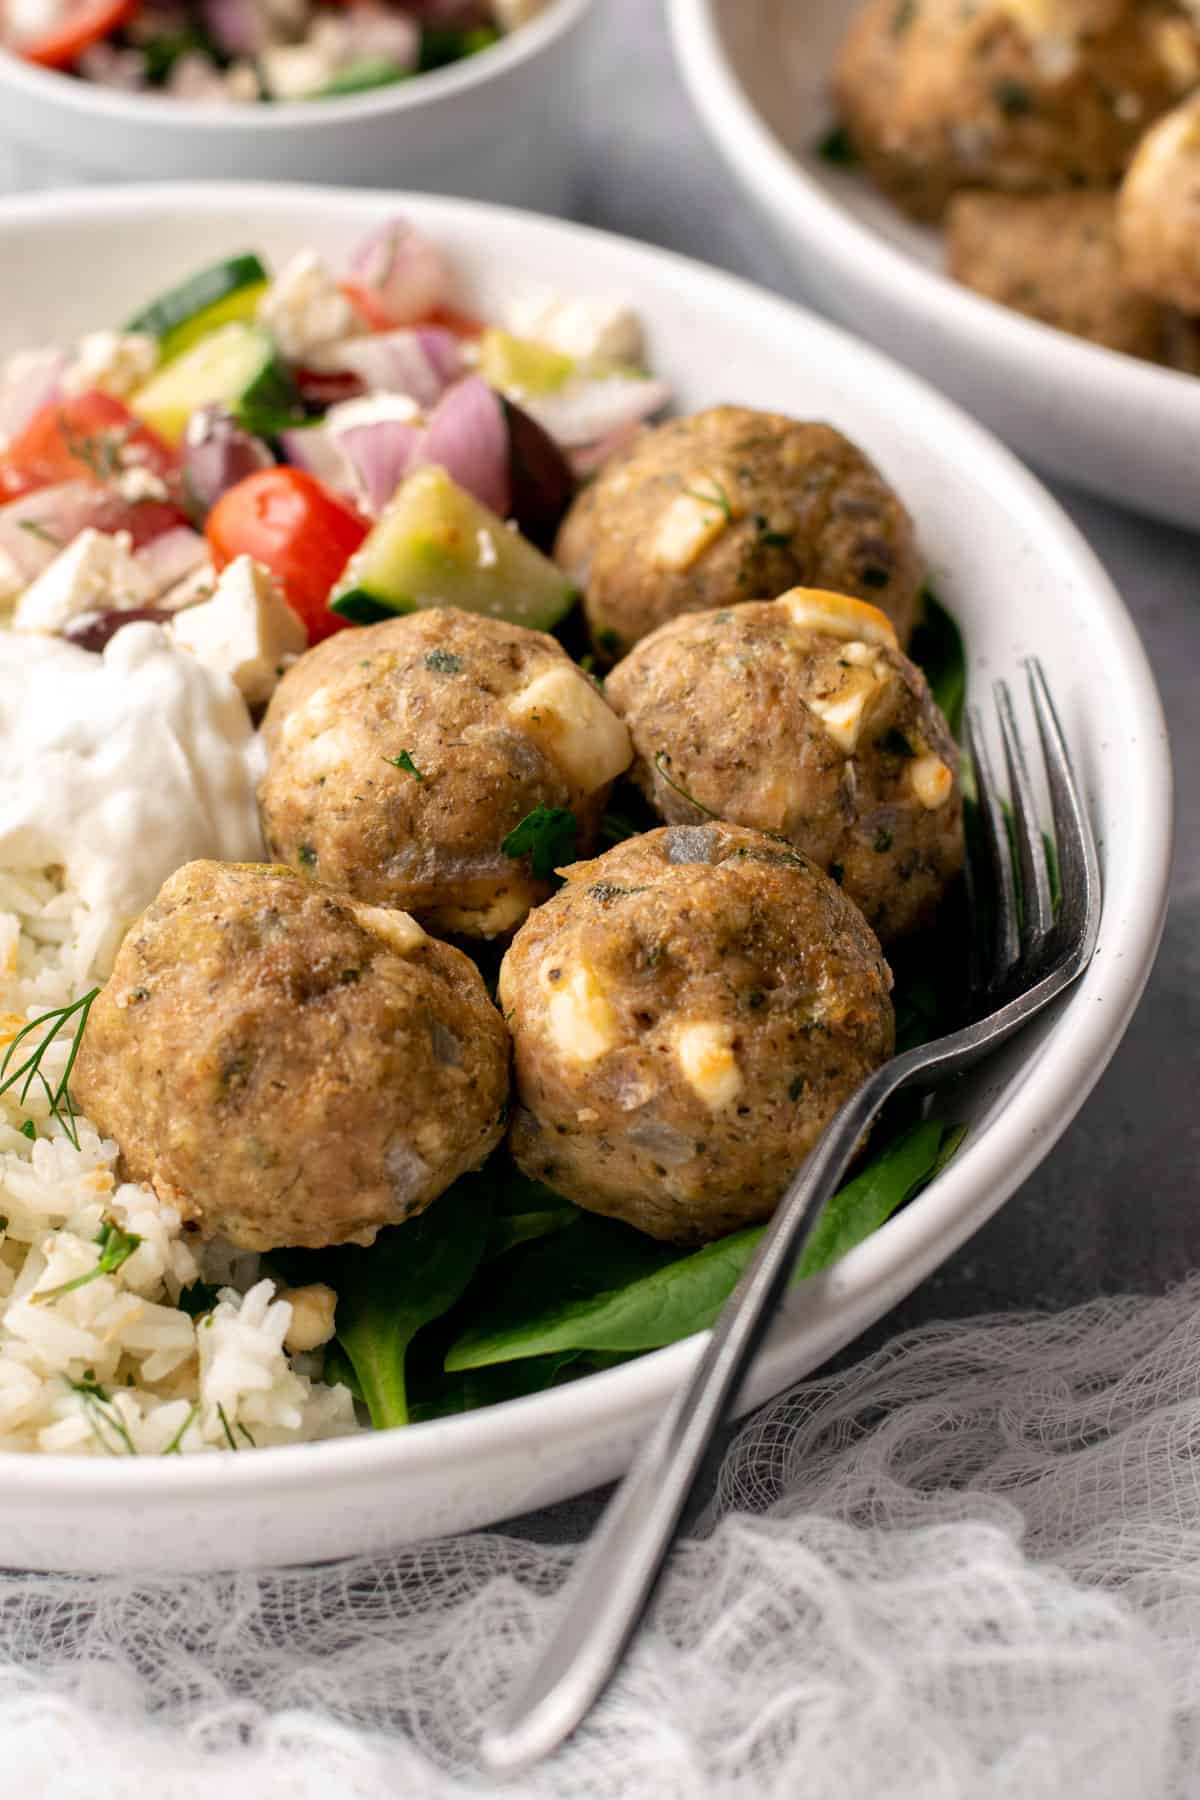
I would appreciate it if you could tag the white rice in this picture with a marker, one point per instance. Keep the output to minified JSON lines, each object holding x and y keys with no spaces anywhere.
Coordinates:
{"x":114,"y":1367}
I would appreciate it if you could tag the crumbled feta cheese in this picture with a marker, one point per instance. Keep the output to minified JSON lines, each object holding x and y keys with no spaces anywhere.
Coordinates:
{"x":579,"y":1018}
{"x":297,"y":71}
{"x":304,"y":308}
{"x":692,"y":522}
{"x":371,"y":409}
{"x":247,"y":631}
{"x":704,"y":1051}
{"x":931,"y":781}
{"x":839,"y":616}
{"x":242,"y":83}
{"x":97,"y":572}
{"x":562,"y":711}
{"x":399,"y":929}
{"x":198,"y":584}
{"x":582,"y":327}
{"x":862,"y":694}
{"x":116,"y":361}
{"x":135,"y":482}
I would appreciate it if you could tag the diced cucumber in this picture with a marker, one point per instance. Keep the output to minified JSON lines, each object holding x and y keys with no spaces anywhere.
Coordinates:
{"x":236,"y":367}
{"x":228,"y":291}
{"x":444,"y":44}
{"x":434,"y":545}
{"x":358,"y":77}
{"x":521,"y":365}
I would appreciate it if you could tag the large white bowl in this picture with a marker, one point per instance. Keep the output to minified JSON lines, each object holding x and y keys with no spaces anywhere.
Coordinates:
{"x":758,"y":73}
{"x":1019,"y":578}
{"x":496,"y":126}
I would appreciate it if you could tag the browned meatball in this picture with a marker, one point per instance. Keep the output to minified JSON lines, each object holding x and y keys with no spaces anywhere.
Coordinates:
{"x":688,"y":1014}
{"x":287,"y":1066}
{"x":1159,"y":211}
{"x":937,"y":96}
{"x":799,"y":716}
{"x":1055,"y":257}
{"x":401,"y":756}
{"x":728,"y":505}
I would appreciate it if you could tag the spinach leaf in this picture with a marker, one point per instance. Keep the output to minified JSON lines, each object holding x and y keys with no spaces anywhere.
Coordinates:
{"x":937,"y":648}
{"x":411,"y":1274}
{"x":472,"y":1388}
{"x":581,"y":1290}
{"x":547,"y":836}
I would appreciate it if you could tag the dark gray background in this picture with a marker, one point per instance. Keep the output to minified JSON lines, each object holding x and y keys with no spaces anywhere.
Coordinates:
{"x":1111,"y":1209}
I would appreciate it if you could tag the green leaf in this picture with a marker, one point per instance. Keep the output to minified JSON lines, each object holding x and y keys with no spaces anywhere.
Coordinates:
{"x":385,"y":1293}
{"x":470,"y":1389}
{"x":937,"y":648}
{"x":595,"y":1298}
{"x":548,"y":836}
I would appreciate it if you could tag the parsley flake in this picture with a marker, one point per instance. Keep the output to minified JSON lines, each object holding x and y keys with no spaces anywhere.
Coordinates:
{"x":404,"y":761}
{"x":443,"y":662}
{"x":548,"y":836}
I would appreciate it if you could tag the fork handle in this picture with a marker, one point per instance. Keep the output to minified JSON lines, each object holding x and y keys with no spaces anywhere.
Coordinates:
{"x":617,"y":1573}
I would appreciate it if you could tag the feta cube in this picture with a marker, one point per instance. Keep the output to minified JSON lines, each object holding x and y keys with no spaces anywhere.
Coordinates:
{"x":97,"y":572}
{"x":562,"y":711}
{"x":584,"y":327}
{"x":247,"y":631}
{"x":304,"y":308}
{"x":116,"y":361}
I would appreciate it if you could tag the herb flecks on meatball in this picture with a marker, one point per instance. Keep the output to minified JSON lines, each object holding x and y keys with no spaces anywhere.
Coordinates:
{"x":728,"y":505}
{"x":401,"y":757}
{"x":688,"y":1013}
{"x":288,"y":1066}
{"x":801,"y":717}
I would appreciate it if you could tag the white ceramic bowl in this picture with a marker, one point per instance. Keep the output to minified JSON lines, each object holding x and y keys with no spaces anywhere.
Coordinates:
{"x":496,"y":126}
{"x":1019,"y":578}
{"x":758,"y":73}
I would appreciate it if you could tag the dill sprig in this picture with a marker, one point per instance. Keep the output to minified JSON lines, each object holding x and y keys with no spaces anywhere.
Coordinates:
{"x":116,"y":1247}
{"x":228,"y":1430}
{"x":58,"y":1097}
{"x":36,"y":529}
{"x":719,"y":499}
{"x":663,"y":758}
{"x":174,"y":1448}
{"x":101,"y":1412}
{"x":99,"y":451}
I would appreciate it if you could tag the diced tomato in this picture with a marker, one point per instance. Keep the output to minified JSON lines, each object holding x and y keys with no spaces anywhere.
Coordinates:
{"x":90,"y":437}
{"x":367,"y":303}
{"x":462,"y":324}
{"x":85,"y":24}
{"x":303,"y":532}
{"x":321,"y":388}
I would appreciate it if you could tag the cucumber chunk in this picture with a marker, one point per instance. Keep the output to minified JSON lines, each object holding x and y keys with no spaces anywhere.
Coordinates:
{"x":236,"y":367}
{"x":434,"y":545}
{"x":228,"y":291}
{"x":360,"y":76}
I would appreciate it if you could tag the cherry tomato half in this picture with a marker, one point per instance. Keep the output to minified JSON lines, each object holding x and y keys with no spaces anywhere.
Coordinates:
{"x":83,"y":25}
{"x":88,"y":437}
{"x":295,"y":525}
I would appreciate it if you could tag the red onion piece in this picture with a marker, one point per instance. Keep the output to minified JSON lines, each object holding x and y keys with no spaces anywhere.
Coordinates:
{"x":35,"y":527}
{"x":388,"y":362}
{"x":468,"y":437}
{"x":314,"y":449}
{"x":404,"y":270}
{"x":328,"y":387}
{"x":444,"y":350}
{"x":27,"y":381}
{"x":238,"y":26}
{"x":93,"y":631}
{"x":585,"y":411}
{"x":168,"y":558}
{"x":218,"y":454}
{"x":590,"y":457}
{"x":382,"y":453}
{"x":541,"y":483}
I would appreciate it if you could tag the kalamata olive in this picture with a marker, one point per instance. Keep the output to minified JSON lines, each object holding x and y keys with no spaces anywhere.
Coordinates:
{"x":92,"y":631}
{"x":541,"y":483}
{"x":218,"y":454}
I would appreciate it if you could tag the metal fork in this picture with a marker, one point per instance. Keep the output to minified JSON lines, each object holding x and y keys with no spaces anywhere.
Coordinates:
{"x":1032,"y":953}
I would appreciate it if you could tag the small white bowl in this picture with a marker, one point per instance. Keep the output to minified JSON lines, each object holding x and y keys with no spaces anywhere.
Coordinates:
{"x":758,"y":72}
{"x":1019,"y":578}
{"x":495,"y":126}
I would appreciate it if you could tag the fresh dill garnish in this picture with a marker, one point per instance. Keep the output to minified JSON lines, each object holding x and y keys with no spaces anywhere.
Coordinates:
{"x":404,"y":761}
{"x":837,"y":147}
{"x":232,"y":1441}
{"x":663,"y":758}
{"x":173,"y":1448}
{"x":58,"y":1097}
{"x":718,"y":499}
{"x":36,"y":529}
{"x":548,"y":836}
{"x":99,"y":451}
{"x":101,"y":1411}
{"x":29,"y":1130}
{"x":116,"y":1248}
{"x":246,"y":1434}
{"x":307,"y":855}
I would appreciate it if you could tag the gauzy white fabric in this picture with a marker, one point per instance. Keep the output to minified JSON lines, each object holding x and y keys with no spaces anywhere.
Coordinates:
{"x":969,"y":1566}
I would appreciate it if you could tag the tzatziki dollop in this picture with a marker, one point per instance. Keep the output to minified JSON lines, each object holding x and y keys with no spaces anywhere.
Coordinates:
{"x":120,"y":768}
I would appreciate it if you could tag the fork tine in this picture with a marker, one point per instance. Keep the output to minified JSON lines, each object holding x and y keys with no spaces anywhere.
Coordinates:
{"x":1037,"y":907}
{"x":1001,"y":886}
{"x":1078,"y":865}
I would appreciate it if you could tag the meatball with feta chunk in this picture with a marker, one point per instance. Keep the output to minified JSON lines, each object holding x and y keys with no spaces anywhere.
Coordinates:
{"x":288,"y":1066}
{"x":1158,"y":211}
{"x":688,"y":1013}
{"x":1008,"y":94}
{"x":402,"y":758}
{"x":725,"y":506}
{"x":801,"y":717}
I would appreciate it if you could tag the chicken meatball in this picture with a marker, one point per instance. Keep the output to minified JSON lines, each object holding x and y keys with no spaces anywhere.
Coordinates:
{"x":800,"y":717}
{"x":688,"y":1014}
{"x":936,"y":95}
{"x":1158,"y":213}
{"x":288,"y":1066}
{"x":400,"y":758}
{"x":728,"y":505}
{"x":1055,"y":258}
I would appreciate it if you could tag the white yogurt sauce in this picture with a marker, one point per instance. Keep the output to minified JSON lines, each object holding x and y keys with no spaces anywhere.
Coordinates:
{"x":122,"y":767}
